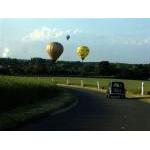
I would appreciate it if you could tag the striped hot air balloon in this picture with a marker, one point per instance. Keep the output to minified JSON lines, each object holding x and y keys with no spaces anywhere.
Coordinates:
{"x":54,"y":50}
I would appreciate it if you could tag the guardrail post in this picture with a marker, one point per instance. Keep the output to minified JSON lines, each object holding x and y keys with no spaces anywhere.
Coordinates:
{"x":52,"y":80}
{"x":82,"y":85}
{"x":142,"y":88}
{"x":98,"y":85}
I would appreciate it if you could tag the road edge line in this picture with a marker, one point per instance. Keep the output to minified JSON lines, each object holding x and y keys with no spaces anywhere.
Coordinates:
{"x":65,"y":108}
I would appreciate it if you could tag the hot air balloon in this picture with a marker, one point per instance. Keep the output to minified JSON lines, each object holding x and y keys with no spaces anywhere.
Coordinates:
{"x":83,"y":52}
{"x":68,"y":37}
{"x":54,"y":50}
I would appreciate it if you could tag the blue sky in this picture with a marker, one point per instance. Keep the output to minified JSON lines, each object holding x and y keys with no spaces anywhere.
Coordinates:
{"x":115,"y":40}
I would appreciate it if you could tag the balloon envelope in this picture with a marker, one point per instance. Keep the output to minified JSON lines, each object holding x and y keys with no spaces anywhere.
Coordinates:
{"x":54,"y":50}
{"x":83,"y":52}
{"x":68,"y":37}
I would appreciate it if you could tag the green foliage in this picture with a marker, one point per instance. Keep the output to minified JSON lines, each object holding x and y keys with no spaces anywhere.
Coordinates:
{"x":43,"y":67}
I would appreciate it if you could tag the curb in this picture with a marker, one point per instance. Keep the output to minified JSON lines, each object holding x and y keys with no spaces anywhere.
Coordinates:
{"x":65,"y":109}
{"x":87,"y":88}
{"x":103,"y":91}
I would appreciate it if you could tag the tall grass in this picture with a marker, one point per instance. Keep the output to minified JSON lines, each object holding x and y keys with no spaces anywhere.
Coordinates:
{"x":18,"y":91}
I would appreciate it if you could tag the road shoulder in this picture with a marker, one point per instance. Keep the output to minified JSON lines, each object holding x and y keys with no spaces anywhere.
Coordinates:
{"x":22,"y":115}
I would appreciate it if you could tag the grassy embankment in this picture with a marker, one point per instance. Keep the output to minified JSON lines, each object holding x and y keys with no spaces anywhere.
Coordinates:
{"x":26,"y":98}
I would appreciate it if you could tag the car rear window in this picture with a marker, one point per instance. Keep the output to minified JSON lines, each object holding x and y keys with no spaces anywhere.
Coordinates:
{"x":117,"y":85}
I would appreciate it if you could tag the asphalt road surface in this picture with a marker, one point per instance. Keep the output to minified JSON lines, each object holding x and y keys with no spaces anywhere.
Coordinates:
{"x":94,"y":112}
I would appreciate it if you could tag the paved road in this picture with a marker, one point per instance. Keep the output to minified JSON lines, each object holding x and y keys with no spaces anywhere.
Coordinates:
{"x":95,"y":112}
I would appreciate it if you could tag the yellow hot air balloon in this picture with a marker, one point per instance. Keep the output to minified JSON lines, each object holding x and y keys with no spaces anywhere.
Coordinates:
{"x":83,"y":52}
{"x":54,"y":50}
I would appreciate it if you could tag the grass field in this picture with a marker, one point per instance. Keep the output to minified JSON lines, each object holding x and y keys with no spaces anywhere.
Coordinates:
{"x":42,"y":84}
{"x":17,"y":91}
{"x":133,"y":86}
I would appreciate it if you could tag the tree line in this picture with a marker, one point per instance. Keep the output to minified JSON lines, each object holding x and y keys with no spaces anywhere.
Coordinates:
{"x":44,"y":67}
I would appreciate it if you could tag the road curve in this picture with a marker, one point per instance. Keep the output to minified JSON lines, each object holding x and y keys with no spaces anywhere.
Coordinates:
{"x":95,"y":112}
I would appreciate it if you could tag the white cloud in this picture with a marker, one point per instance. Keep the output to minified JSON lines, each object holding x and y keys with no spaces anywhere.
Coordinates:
{"x":132,"y":41}
{"x":5,"y":52}
{"x":45,"y":33}
{"x":76,"y":31}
